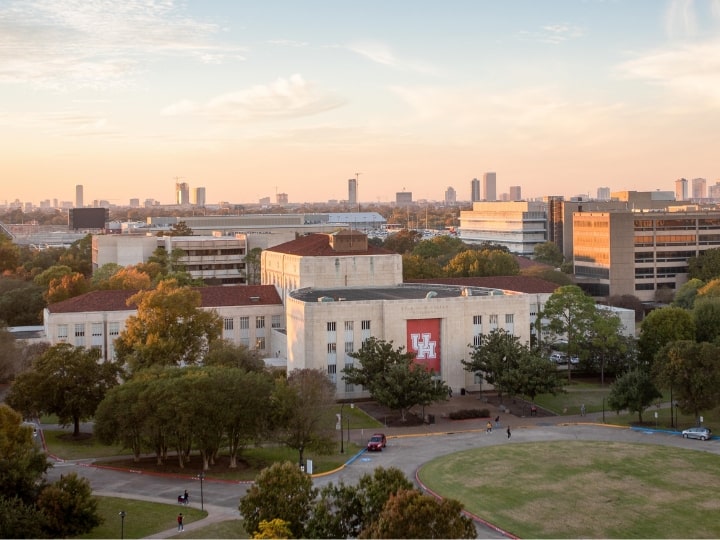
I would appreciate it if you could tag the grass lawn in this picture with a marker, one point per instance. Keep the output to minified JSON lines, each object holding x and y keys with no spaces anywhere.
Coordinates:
{"x":61,"y":444}
{"x":142,"y":518}
{"x":231,"y":528}
{"x":577,"y":489}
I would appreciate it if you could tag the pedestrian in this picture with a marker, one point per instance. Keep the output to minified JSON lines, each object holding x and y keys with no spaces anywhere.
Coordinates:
{"x":497,"y":421}
{"x":488,"y":427}
{"x":533,"y":410}
{"x":180,"y":522}
{"x":449,"y":391}
{"x":582,"y":410}
{"x":508,"y":432}
{"x":186,"y":497}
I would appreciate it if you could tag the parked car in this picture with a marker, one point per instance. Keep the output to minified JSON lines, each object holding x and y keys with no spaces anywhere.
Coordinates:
{"x":701,"y":433}
{"x":377,"y":442}
{"x":558,"y":358}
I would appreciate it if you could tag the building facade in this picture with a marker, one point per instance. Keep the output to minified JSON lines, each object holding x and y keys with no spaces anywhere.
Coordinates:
{"x":352,"y":191}
{"x":681,"y":189}
{"x":79,"y":203}
{"x":489,"y":187}
{"x":475,"y":190}
{"x":450,"y":196}
{"x":639,"y":252}
{"x":519,"y":226}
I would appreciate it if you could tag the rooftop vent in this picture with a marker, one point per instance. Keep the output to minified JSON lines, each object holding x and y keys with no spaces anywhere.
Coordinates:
{"x":326,"y":299}
{"x":254,"y":298}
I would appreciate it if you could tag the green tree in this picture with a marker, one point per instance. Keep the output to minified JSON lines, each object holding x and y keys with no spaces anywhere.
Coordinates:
{"x":692,"y":371}
{"x":223,"y":352}
{"x":686,"y":294}
{"x":604,"y":344}
{"x":628,"y":301}
{"x":21,"y":302}
{"x":170,"y":328}
{"x":393,"y":378}
{"x":548,"y":274}
{"x":9,"y":355}
{"x":78,"y":256}
{"x":569,"y":314}
{"x":67,"y":381}
{"x":69,"y":507}
{"x":531,"y":375}
{"x":281,"y":491}
{"x":633,"y":391}
{"x":411,"y":514}
{"x":120,"y":417}
{"x":441,"y":249}
{"x":417,"y":267}
{"x":403,"y":241}
{"x":253,"y":265}
{"x":337,"y":513}
{"x":548,"y":253}
{"x":480,"y":263}
{"x":374,"y":489}
{"x":22,"y":463}
{"x":494,"y":355}
{"x":301,"y":408}
{"x":9,"y":255}
{"x":178,"y":229}
{"x":706,"y":315}
{"x":659,"y":328}
{"x":20,"y":520}
{"x":54,"y":272}
{"x":705,"y":266}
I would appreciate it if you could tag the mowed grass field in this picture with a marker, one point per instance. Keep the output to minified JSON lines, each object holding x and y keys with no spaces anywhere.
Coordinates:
{"x":578,"y":489}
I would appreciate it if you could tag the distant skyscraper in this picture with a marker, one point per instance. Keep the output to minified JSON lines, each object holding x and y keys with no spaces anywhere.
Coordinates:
{"x":488,"y":187}
{"x":515,"y":193}
{"x":198,"y":196}
{"x":403,"y":198}
{"x":352,"y":191}
{"x":281,"y":199}
{"x":450,"y":195}
{"x":714,"y":191}
{"x":603,"y":193}
{"x":182,"y":193}
{"x":475,"y":190}
{"x":681,"y":189}
{"x":79,"y":196}
{"x":699,"y":188}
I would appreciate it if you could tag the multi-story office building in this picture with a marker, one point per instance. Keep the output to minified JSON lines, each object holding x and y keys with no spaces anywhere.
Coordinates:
{"x":681,"y":189}
{"x":79,"y":196}
{"x":489,"y":187}
{"x":639,"y":252}
{"x":352,"y":191}
{"x":182,"y":193}
{"x":515,"y":193}
{"x":603,"y":194}
{"x":450,"y":196}
{"x":714,"y":191}
{"x":519,"y":226}
{"x":699,"y":189}
{"x":281,"y":199}
{"x":403,"y":198}
{"x":198,"y":196}
{"x":475,"y":190}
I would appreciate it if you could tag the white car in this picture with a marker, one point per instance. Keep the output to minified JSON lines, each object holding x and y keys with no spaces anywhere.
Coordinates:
{"x":701,"y":433}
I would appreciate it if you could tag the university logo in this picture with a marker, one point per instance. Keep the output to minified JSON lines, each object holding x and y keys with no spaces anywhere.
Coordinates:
{"x":424,"y":348}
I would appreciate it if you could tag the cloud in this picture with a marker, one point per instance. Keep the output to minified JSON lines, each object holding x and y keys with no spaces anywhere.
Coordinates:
{"x":380,"y":53}
{"x":680,"y":19}
{"x":691,"y":70}
{"x":283,"y":98}
{"x":553,"y":34}
{"x":100,"y":43}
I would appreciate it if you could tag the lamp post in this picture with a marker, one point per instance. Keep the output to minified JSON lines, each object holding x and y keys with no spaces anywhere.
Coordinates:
{"x":122,"y":515}
{"x":202,"y":498}
{"x":340,"y":422}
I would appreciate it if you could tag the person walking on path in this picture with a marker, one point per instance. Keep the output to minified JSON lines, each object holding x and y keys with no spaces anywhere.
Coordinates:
{"x":180,"y":522}
{"x":497,"y":421}
{"x":488,"y":427}
{"x":508,"y":431}
{"x":582,"y":410}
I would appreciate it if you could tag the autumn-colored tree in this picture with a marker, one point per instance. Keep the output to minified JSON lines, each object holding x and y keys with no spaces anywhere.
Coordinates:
{"x":480,"y":263}
{"x":275,"y":528}
{"x":68,"y":286}
{"x":129,"y":278}
{"x":170,"y":328}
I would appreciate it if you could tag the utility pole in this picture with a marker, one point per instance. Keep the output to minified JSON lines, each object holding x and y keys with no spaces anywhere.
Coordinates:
{"x":357,"y":190}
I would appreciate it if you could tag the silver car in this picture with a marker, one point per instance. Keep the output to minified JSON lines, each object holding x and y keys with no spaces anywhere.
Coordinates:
{"x":701,"y":433}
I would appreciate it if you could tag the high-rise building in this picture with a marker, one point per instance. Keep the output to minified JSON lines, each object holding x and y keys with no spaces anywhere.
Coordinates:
{"x":198,"y":196}
{"x":403,"y":198}
{"x":681,"y":189}
{"x":489,"y":187}
{"x":281,"y":199}
{"x":699,"y":188}
{"x":603,"y":194}
{"x":352,"y":191}
{"x":79,"y":196}
{"x":182,"y":193}
{"x":714,"y":191}
{"x":450,"y":195}
{"x":475,"y":190}
{"x":515,"y":193}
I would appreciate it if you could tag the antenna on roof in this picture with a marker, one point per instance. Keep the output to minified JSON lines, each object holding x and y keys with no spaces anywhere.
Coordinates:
{"x":357,"y":190}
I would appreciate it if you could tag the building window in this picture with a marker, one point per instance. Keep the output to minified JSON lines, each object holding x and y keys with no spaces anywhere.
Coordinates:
{"x":349,"y":347}
{"x":331,"y":326}
{"x":62,"y":332}
{"x":332,"y":372}
{"x":365,"y":325}
{"x":493,"y":322}
{"x":332,"y":348}
{"x":79,"y":335}
{"x":244,"y":323}
{"x":348,"y":326}
{"x":509,"y":323}
{"x":245,"y":341}
{"x":114,"y":329}
{"x":260,"y":343}
{"x":260,"y":322}
{"x":228,"y":324}
{"x":97,"y":335}
{"x":277,"y":321}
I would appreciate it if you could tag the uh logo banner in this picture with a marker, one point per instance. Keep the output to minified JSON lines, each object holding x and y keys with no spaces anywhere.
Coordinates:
{"x":423,"y":339}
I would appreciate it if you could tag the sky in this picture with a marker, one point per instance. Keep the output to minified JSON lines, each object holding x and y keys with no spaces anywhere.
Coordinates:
{"x":252,"y":98}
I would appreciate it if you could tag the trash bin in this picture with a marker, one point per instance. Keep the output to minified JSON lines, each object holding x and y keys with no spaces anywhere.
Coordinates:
{"x":462,"y":391}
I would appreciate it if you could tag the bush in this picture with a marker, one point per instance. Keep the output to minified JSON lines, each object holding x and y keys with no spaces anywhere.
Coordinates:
{"x":465,"y":414}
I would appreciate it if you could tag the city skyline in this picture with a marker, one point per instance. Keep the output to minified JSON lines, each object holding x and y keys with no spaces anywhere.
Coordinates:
{"x":250,"y":99}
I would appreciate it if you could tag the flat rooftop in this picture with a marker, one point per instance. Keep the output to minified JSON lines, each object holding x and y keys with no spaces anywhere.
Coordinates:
{"x":399,"y":292}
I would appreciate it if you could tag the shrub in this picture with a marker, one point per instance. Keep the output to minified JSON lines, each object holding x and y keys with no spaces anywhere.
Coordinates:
{"x":464,"y":414}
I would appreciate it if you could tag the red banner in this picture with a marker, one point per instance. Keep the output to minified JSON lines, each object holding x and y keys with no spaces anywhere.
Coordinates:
{"x":423,"y":339}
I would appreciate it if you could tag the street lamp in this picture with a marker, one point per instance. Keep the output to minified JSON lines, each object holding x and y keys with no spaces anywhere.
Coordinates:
{"x":340,"y":422}
{"x":122,"y":515}
{"x":202,"y":501}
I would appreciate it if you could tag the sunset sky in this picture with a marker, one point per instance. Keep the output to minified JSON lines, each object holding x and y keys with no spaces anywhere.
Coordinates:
{"x":253,"y":98}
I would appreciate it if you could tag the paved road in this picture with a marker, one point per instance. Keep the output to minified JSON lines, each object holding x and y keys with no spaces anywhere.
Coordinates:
{"x":406,"y":451}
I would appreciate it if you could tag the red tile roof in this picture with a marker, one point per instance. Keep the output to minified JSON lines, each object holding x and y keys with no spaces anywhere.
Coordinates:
{"x":215,"y":296}
{"x":523,"y":284}
{"x":318,"y":245}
